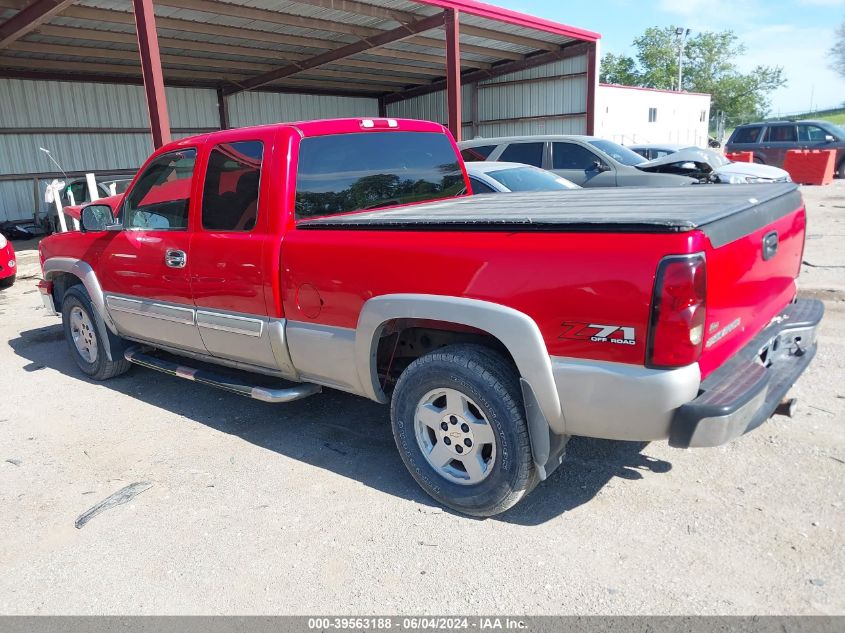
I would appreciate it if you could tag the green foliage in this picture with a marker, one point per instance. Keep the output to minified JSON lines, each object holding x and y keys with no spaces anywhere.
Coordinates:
{"x":837,"y":53}
{"x":619,"y":70}
{"x":709,"y":66}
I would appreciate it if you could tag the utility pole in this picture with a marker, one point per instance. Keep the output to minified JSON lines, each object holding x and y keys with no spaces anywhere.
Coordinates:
{"x":681,"y":34}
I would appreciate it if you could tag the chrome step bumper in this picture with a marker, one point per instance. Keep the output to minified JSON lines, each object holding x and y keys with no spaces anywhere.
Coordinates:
{"x":136,"y":356}
{"x":747,"y":389}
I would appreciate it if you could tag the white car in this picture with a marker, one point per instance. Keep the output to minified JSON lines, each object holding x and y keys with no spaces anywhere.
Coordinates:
{"x":705,"y":164}
{"x":500,"y":177}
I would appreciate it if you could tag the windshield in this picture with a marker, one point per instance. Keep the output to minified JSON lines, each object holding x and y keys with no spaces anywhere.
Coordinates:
{"x":617,"y":152}
{"x":530,"y":179}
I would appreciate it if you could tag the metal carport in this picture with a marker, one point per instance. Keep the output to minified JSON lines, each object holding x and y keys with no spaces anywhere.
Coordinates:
{"x":476,"y":67}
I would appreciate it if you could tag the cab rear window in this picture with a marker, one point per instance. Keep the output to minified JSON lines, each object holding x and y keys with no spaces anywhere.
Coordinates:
{"x":351,"y":172}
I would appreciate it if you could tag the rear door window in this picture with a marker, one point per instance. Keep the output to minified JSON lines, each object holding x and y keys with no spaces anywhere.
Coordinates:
{"x":572,"y":156}
{"x":230,"y":192}
{"x":747,"y":134}
{"x":526,"y":153}
{"x":350,"y":172}
{"x":781,"y":134}
{"x":475,"y":154}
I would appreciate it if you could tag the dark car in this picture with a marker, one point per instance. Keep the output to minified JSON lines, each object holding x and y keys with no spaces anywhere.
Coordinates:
{"x":770,"y":140}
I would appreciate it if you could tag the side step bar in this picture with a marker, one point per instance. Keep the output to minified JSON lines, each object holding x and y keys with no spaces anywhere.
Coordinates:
{"x":303,"y":390}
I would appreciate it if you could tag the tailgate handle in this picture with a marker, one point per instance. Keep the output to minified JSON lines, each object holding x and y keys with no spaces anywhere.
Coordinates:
{"x":770,"y":245}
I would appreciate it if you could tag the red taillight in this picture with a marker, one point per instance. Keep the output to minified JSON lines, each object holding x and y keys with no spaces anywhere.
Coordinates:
{"x":676,"y":332}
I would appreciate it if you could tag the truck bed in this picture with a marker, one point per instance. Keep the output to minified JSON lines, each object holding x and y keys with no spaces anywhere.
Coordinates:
{"x":723,"y":212}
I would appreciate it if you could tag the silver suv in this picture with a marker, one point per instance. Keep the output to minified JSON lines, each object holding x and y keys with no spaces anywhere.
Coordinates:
{"x":587,"y":161}
{"x":770,"y":140}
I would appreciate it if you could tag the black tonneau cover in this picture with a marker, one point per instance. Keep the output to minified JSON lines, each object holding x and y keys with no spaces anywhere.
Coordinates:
{"x":723,"y":212}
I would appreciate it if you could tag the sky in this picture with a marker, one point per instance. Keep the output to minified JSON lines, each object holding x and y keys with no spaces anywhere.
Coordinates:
{"x":793,"y":34}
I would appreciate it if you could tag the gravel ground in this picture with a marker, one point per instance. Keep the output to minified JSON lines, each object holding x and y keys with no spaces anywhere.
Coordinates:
{"x":306,"y":508}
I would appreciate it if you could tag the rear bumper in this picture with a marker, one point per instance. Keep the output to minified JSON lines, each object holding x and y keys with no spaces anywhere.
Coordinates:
{"x":744,"y":392}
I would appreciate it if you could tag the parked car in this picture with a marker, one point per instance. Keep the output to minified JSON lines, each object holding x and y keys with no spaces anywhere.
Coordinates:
{"x":707,"y":165}
{"x":586,"y":161}
{"x":8,"y":263}
{"x":338,"y":254}
{"x":77,"y":189}
{"x":496,"y":177}
{"x":770,"y":140}
{"x":656,"y":150}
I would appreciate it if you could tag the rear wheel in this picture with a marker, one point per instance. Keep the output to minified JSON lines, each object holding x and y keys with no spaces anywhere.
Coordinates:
{"x":840,"y":171}
{"x":85,"y":334}
{"x":459,"y":423}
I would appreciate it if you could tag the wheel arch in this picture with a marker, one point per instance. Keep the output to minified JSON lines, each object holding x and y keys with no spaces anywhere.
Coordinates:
{"x":517,"y":333}
{"x":56,"y":268}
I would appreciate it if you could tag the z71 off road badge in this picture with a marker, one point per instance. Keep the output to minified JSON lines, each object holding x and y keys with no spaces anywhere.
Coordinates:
{"x":598,"y":333}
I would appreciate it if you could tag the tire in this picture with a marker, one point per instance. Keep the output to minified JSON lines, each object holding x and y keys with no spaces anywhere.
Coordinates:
{"x":7,"y":282}
{"x":85,"y":334}
{"x":840,"y":170}
{"x":464,"y":398}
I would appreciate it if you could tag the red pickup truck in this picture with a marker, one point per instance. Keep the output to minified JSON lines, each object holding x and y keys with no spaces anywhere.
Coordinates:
{"x":273,"y":261}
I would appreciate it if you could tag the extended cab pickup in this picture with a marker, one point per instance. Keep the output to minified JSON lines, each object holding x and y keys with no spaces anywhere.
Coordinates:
{"x":273,"y":261}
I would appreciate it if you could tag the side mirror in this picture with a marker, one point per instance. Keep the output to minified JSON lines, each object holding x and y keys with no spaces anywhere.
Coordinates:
{"x":829,"y":138}
{"x":96,"y":217}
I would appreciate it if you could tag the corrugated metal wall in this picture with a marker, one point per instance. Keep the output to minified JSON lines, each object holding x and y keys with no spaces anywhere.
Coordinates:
{"x":547,"y":99}
{"x":550,"y":99}
{"x":256,"y":108}
{"x":65,"y":104}
{"x":41,"y":104}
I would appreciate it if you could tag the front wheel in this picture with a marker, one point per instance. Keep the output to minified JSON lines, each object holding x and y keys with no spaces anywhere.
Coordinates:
{"x":85,"y":332}
{"x":459,"y":423}
{"x":7,"y":282}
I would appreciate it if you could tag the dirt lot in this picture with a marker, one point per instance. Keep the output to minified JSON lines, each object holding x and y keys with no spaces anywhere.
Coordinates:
{"x":306,"y":507}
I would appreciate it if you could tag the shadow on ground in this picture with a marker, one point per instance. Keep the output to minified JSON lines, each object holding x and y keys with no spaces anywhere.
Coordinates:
{"x":343,"y":433}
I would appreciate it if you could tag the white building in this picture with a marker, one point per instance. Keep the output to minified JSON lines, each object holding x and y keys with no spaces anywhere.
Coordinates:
{"x":629,"y":115}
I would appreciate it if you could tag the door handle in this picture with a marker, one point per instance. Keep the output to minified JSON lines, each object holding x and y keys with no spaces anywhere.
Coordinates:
{"x":174,"y":258}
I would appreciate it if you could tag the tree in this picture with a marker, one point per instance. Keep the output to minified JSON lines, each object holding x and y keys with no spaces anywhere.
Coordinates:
{"x":619,"y":69}
{"x":837,"y":53}
{"x":709,"y":66}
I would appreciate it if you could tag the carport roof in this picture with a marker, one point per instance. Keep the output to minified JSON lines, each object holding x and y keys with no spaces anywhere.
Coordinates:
{"x":386,"y":48}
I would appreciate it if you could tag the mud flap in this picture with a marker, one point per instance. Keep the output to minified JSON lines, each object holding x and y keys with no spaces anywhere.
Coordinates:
{"x":547,"y":448}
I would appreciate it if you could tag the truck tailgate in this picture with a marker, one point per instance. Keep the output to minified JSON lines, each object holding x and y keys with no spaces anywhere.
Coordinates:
{"x":751,"y":269}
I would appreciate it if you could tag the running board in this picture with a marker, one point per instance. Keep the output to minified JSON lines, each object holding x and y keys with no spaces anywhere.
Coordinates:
{"x":265,"y":394}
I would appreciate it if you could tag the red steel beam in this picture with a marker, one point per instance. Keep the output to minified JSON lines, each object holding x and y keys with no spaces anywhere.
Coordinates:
{"x":451,"y":19}
{"x":375,"y":41}
{"x":222,"y":109}
{"x":145,"y":24}
{"x":29,"y":19}
{"x":567,"y":50}
{"x":592,"y":82}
